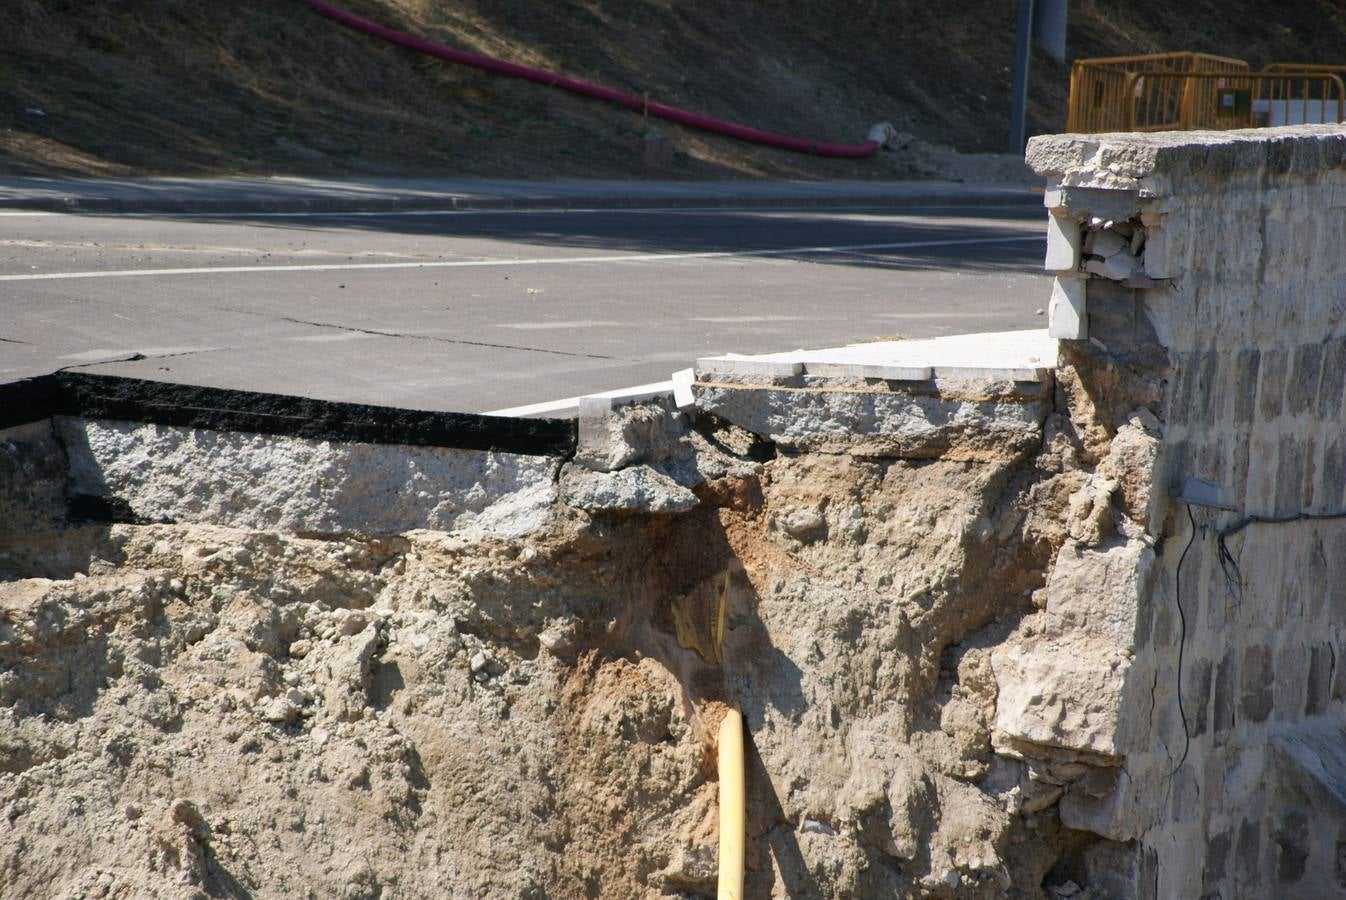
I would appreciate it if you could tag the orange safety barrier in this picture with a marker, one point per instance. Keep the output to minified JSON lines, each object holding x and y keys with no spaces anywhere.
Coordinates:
{"x":1304,"y":67}
{"x":1183,"y":101}
{"x":1101,"y":92}
{"x":1182,"y":91}
{"x":1312,"y":68}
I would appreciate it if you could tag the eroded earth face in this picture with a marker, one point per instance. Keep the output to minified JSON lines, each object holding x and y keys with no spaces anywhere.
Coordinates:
{"x":199,"y":710}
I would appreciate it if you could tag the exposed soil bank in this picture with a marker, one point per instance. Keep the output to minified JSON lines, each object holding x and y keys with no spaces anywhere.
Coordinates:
{"x":146,"y":87}
{"x":524,"y":702}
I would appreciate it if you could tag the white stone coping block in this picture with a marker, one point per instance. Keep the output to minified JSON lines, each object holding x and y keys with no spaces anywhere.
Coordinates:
{"x":1066,"y":312}
{"x":1131,"y":160}
{"x":641,"y":393}
{"x":1063,"y":243}
{"x":863,"y":370}
{"x":768,"y":366}
{"x":683,"y":379}
{"x":591,"y":404}
{"x":987,"y":356}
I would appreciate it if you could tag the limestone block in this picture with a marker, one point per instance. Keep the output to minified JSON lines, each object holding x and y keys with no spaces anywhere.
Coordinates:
{"x":246,"y":480}
{"x":1066,"y":311}
{"x":1310,"y":759}
{"x":1063,"y":243}
{"x":1112,"y":870}
{"x":1158,"y":257}
{"x":1063,"y":677}
{"x":1104,"y":802}
{"x":1094,"y":203}
{"x":1065,"y":695}
{"x":888,"y":137}
{"x":1133,"y":461}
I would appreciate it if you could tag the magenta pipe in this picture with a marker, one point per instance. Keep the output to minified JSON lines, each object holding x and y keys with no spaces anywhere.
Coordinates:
{"x":574,"y":86}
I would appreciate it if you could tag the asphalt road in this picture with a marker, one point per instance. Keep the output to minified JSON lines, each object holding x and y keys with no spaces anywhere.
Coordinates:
{"x":482,"y":310}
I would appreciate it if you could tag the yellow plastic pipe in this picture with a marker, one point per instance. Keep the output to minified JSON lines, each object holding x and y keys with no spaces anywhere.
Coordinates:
{"x":732,"y":806}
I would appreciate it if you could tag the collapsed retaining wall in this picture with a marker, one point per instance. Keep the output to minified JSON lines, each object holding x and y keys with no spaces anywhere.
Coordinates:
{"x":980,"y":650}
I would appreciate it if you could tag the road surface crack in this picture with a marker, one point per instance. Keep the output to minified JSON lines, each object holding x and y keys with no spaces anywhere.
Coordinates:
{"x":429,"y":337}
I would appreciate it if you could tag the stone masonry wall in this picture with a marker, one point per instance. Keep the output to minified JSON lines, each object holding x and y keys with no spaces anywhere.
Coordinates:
{"x":1202,"y":278}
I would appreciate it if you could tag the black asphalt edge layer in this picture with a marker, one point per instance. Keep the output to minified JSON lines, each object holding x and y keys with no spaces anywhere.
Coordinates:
{"x":83,"y":395}
{"x":87,"y":509}
{"x":30,"y":400}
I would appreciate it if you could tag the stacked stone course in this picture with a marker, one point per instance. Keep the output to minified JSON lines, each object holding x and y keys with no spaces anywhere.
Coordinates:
{"x":1239,"y":791}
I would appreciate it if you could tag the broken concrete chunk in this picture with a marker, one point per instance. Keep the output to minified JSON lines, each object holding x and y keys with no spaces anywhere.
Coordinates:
{"x":179,"y":474}
{"x":558,"y":639}
{"x":805,"y":525}
{"x":280,"y":710}
{"x":612,"y":436}
{"x":637,"y":489}
{"x":1104,"y":243}
{"x":1118,"y":267}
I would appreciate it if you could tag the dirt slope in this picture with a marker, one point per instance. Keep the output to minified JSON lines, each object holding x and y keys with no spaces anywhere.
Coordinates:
{"x":183,"y":86}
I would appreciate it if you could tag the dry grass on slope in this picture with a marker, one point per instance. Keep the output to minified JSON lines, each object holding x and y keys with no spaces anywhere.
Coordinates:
{"x":184,"y":86}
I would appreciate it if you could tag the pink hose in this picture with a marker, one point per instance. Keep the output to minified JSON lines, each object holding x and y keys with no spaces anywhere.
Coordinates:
{"x":551,"y":79}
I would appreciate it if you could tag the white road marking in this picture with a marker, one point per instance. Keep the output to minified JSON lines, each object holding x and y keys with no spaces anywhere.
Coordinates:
{"x":488,"y":263}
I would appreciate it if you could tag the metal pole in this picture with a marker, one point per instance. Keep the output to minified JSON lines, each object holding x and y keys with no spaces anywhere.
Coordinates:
{"x":1049,"y":28}
{"x":1023,"y":36}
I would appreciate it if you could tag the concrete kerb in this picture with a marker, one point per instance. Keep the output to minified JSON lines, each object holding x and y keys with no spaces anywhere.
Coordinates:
{"x":225,"y":196}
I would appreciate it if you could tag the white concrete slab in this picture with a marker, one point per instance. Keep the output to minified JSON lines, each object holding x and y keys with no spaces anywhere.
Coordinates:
{"x":998,"y":355}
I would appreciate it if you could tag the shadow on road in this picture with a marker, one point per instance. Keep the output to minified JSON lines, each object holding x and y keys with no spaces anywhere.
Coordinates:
{"x":953,"y":238}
